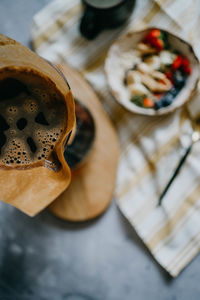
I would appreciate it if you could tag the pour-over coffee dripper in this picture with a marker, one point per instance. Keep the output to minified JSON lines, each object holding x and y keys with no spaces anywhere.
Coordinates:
{"x":31,"y":185}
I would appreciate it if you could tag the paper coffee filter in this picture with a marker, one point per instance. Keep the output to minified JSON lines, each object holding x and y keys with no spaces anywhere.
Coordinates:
{"x":32,"y":189}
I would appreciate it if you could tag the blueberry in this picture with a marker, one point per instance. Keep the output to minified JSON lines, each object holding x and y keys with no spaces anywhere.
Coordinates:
{"x":158,"y":105}
{"x":174,"y":91}
{"x":179,"y":79}
{"x":167,"y":99}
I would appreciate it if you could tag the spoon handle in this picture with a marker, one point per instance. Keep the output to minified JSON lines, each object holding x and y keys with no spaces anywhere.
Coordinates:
{"x":178,"y":168}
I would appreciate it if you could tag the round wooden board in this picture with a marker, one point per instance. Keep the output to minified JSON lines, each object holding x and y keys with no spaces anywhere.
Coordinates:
{"x":92,"y":185}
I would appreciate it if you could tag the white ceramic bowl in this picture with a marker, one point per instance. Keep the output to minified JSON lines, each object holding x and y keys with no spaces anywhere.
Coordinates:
{"x":115,"y":72}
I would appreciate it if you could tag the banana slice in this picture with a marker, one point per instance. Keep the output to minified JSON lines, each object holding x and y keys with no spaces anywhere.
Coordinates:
{"x":145,"y":49}
{"x":133,"y":77}
{"x":154,"y":85}
{"x":144,"y":68}
{"x":138,"y":89}
{"x":154,"y":62}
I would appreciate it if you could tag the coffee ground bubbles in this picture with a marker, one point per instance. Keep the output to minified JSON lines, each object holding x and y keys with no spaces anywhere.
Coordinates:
{"x":31,"y":121}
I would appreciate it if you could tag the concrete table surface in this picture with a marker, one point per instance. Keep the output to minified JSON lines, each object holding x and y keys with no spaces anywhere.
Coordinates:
{"x":46,"y":258}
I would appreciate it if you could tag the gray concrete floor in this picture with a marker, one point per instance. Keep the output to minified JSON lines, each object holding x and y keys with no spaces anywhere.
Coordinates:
{"x":46,"y":258}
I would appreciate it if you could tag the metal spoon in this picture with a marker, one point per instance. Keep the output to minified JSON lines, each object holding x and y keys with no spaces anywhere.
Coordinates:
{"x":195,"y":138}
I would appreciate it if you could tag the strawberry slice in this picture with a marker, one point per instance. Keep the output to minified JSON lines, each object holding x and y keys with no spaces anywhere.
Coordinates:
{"x":183,"y":62}
{"x":177,"y":62}
{"x":169,"y":75}
{"x":155,"y":33}
{"x":186,"y":65}
{"x":154,"y":39}
{"x":158,"y":44}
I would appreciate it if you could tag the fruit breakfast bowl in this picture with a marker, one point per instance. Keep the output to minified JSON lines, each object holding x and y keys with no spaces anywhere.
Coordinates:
{"x":152,"y":72}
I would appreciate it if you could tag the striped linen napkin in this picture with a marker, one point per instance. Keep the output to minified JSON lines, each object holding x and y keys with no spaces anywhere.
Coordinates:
{"x":150,"y":147}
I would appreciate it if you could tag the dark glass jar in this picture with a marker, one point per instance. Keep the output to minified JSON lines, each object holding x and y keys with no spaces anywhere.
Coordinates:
{"x":104,"y":14}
